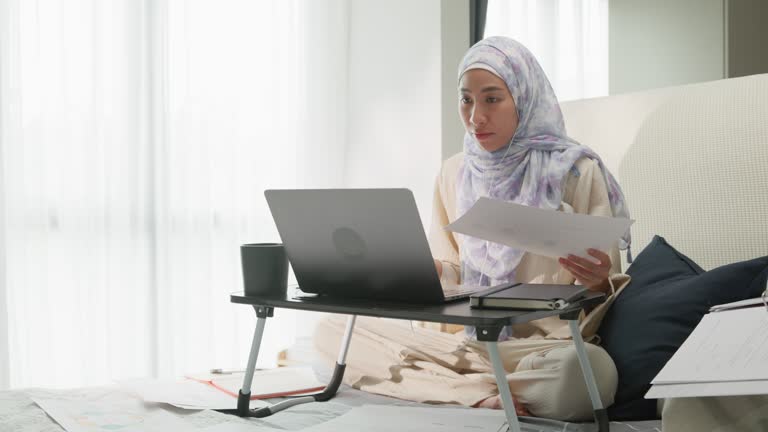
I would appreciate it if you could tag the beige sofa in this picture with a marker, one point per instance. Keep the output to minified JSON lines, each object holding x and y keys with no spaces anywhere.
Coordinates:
{"x":693,"y":162}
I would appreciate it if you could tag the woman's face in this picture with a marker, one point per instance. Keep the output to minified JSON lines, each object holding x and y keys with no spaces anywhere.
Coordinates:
{"x":487,"y":109}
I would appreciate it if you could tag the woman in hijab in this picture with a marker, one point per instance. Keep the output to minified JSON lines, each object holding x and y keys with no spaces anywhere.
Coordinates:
{"x":515,"y":149}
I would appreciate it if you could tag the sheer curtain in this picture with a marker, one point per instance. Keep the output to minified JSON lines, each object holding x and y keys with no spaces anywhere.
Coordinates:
{"x":568,"y":37}
{"x":136,"y":139}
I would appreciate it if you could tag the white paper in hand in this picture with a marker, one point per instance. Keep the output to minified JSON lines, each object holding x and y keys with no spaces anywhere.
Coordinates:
{"x":539,"y":231}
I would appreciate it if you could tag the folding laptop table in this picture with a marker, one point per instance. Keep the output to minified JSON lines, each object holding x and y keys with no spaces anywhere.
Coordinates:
{"x":488,"y":322}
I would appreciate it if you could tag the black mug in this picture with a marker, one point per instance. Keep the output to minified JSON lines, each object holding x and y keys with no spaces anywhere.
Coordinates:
{"x":265,"y":268}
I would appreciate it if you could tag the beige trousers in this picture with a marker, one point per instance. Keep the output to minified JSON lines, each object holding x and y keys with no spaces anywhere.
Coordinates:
{"x":393,"y":358}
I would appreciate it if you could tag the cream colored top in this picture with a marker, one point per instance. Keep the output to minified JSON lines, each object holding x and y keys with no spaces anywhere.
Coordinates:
{"x":585,"y":192}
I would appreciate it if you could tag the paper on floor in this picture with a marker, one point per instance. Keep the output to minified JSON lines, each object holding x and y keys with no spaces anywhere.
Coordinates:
{"x":237,"y":427}
{"x":184,"y":393}
{"x":543,"y":232}
{"x":269,"y":383}
{"x":95,"y":415}
{"x":384,"y":418}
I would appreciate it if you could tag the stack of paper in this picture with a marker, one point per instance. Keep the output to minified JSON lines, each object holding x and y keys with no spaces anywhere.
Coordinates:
{"x":725,"y":355}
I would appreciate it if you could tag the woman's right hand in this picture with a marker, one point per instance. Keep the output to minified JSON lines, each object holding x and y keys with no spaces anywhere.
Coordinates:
{"x":439,"y":267}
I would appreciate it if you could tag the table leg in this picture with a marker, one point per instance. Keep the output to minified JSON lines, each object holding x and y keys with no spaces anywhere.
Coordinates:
{"x":244,"y":397}
{"x":347,"y":338}
{"x":601,"y":415}
{"x":501,"y":381}
{"x":341,"y":364}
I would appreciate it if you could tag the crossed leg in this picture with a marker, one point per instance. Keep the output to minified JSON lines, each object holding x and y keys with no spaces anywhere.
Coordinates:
{"x":396,"y":359}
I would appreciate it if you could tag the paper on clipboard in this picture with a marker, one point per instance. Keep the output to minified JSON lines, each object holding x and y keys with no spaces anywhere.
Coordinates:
{"x":725,"y":346}
{"x":539,"y":231}
{"x":725,"y":355}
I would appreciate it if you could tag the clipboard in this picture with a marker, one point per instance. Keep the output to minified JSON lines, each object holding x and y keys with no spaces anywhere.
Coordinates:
{"x":722,"y":356}
{"x":269,"y":383}
{"x":757,"y":301}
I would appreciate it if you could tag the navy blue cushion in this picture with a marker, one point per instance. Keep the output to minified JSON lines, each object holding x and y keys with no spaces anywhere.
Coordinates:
{"x":666,"y":299}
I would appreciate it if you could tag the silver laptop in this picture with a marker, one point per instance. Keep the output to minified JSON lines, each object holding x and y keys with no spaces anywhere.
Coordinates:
{"x":359,"y":243}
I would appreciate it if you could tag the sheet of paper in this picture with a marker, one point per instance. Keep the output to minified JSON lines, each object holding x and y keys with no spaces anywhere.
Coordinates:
{"x":413,"y":419}
{"x":727,"y":388}
{"x":237,"y":427}
{"x":96,"y":416}
{"x":184,"y":393}
{"x":725,"y":346}
{"x":543,"y":232}
{"x":269,"y":381}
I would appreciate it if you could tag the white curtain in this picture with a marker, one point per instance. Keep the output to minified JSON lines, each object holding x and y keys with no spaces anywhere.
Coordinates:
{"x":136,"y":140}
{"x":568,"y":37}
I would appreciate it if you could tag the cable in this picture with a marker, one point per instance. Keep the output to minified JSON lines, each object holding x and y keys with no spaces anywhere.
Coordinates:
{"x":490,"y":192}
{"x":491,"y":187}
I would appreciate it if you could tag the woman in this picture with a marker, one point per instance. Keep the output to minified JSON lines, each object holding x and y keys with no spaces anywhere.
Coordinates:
{"x":515,"y":149}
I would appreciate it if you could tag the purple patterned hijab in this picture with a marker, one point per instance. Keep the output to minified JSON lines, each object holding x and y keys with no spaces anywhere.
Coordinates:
{"x":531,"y":169}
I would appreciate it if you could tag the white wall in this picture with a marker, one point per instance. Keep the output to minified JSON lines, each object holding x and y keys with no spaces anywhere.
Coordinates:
{"x":400,"y":55}
{"x":394,"y":102}
{"x":455,"y":42}
{"x":660,"y":43}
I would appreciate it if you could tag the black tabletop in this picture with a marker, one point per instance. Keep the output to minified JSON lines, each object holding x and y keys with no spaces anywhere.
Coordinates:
{"x":456,"y":312}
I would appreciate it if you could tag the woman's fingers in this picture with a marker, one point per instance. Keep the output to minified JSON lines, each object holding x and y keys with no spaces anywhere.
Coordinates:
{"x":603,"y":260}
{"x":585,"y":276}
{"x":584,"y":263}
{"x":587,"y":271}
{"x":601,"y":256}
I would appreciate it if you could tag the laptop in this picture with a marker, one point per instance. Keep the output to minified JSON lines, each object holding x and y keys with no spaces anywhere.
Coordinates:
{"x":359,"y":244}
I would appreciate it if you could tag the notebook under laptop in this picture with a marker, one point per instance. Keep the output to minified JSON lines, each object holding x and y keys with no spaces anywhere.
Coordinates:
{"x":359,"y":243}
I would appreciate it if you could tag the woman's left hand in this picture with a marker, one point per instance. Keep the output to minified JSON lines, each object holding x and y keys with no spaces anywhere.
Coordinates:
{"x":593,"y":274}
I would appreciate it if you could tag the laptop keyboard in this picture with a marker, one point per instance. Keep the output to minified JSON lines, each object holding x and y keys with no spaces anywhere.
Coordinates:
{"x":453,"y":292}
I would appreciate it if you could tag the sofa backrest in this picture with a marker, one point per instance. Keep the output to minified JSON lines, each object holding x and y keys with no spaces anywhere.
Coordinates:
{"x":692,"y":160}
